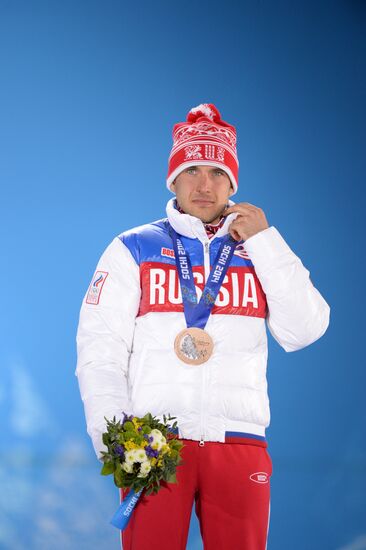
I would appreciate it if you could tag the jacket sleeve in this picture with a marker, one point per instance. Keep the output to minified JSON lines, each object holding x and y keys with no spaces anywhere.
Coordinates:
{"x":297,"y":313}
{"x":104,"y":339}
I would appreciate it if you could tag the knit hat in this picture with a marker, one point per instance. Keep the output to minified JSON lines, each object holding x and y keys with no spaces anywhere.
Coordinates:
{"x":204,"y":139}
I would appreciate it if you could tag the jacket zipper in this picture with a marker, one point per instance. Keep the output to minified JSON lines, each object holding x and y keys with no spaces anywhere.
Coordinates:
{"x":206,"y":257}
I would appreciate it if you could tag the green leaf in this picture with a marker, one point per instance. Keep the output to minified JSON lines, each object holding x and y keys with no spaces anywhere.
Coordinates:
{"x":171,"y":478}
{"x":148,"y":418}
{"x":107,"y":469}
{"x":118,"y":475}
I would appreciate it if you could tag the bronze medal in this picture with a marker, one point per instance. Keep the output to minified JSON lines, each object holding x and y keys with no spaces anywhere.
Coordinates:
{"x":193,"y":346}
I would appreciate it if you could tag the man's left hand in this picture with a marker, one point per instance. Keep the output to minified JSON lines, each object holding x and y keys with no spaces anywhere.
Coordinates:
{"x":250,"y":221}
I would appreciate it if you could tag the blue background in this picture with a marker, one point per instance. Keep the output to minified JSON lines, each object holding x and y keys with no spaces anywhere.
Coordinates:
{"x":89,"y":93}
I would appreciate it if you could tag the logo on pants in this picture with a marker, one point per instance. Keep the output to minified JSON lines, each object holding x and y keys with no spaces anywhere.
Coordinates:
{"x":259,"y":477}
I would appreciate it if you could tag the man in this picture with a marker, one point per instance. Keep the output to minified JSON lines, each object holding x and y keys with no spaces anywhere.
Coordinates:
{"x":147,"y":342}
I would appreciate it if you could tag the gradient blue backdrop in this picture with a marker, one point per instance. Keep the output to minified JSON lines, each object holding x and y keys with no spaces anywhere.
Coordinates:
{"x":89,"y":91}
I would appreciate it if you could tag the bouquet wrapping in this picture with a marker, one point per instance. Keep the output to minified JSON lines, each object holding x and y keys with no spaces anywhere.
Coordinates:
{"x":142,"y":452}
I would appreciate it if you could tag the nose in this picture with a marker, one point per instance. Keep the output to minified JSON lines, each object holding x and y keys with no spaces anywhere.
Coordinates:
{"x":203,"y":183}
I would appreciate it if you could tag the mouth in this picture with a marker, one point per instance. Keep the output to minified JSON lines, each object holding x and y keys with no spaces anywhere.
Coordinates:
{"x":203,"y":202}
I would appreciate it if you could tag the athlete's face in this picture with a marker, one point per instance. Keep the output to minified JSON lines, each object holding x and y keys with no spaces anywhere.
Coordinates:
{"x":203,"y":192}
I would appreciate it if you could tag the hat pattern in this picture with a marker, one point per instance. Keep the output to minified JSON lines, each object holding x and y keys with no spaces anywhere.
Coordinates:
{"x":204,"y":139}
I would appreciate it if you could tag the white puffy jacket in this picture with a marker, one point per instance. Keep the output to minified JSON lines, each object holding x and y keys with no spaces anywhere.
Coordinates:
{"x":133,"y":311}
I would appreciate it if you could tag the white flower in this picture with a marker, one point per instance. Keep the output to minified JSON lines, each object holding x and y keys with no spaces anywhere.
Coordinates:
{"x":158,"y":439}
{"x":128,"y":467}
{"x":135,"y":455}
{"x":144,"y":469}
{"x":140,"y":455}
{"x":130,"y":456}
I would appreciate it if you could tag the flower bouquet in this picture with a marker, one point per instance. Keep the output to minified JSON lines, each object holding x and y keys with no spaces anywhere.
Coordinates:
{"x":141,"y":453}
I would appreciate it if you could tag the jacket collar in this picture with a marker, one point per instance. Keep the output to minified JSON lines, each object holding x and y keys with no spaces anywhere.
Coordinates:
{"x":192,"y":227}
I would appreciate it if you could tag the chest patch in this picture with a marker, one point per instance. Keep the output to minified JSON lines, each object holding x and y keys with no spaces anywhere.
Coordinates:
{"x":240,"y":293}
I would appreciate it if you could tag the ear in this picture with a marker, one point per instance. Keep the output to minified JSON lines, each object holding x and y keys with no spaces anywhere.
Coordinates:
{"x":172,"y":186}
{"x":231,"y":190}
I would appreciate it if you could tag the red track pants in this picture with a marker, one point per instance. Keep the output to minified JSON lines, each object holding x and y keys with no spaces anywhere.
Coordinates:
{"x":230,"y":485}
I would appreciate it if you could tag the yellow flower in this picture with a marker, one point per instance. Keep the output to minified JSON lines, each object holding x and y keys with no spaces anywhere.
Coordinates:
{"x":136,"y":423}
{"x":129,"y":445}
{"x":165,"y":449}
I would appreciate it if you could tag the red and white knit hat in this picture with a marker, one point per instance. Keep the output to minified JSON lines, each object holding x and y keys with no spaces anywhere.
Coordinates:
{"x":204,"y":139}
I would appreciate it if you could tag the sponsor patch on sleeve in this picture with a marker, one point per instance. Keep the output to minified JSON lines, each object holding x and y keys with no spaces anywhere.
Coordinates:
{"x":95,"y":288}
{"x":167,"y":252}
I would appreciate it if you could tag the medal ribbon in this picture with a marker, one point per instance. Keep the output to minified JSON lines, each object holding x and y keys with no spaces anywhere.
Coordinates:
{"x":197,"y":314}
{"x":125,"y":509}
